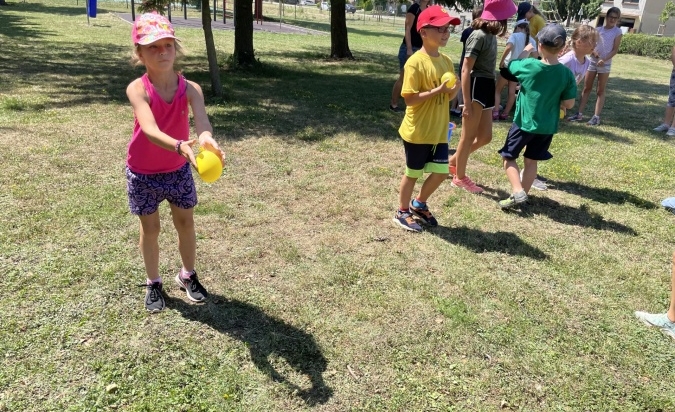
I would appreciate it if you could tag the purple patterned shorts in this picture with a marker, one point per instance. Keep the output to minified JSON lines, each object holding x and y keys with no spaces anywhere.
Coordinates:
{"x":146,"y":192}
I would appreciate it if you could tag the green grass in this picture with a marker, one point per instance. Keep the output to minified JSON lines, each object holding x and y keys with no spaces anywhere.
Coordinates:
{"x":318,"y":301}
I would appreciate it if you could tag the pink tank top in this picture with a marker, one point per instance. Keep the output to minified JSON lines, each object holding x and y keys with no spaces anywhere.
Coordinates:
{"x":145,"y":157}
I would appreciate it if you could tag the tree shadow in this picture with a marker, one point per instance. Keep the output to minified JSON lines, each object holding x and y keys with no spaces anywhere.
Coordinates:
{"x":484,"y":242}
{"x":264,"y":336}
{"x":601,"y":195}
{"x":568,"y":215}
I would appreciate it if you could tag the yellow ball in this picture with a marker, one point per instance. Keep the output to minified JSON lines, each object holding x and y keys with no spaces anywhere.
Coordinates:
{"x":451,"y":79}
{"x":562,"y":113}
{"x":209,"y":166}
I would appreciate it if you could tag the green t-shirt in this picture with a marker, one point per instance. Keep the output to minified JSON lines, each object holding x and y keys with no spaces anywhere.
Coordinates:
{"x":482,"y":46}
{"x":542,"y":88}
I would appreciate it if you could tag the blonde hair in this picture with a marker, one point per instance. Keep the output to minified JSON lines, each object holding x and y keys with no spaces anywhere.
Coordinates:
{"x":584,"y":33}
{"x":135,"y":61}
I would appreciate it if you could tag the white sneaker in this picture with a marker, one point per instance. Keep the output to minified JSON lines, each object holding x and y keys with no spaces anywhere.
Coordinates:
{"x":671,"y":131}
{"x":595,"y":120}
{"x":663,"y":127}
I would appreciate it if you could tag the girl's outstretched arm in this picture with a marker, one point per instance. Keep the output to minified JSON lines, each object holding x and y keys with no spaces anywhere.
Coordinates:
{"x":141,"y":106}
{"x":202,"y":123}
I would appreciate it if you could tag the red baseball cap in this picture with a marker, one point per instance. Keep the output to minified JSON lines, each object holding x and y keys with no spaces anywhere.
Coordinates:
{"x":436,"y":16}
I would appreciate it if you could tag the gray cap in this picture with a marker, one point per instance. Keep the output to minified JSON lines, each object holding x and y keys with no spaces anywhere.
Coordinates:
{"x":552,"y":35}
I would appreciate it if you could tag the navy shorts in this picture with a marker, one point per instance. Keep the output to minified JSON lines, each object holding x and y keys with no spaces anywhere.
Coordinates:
{"x":483,"y":92}
{"x":146,"y":192}
{"x":403,"y":55}
{"x":429,"y":158}
{"x":536,"y":145}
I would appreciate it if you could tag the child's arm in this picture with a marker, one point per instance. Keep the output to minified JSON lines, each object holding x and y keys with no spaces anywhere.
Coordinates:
{"x":567,"y":104}
{"x":466,"y":84}
{"x":413,"y":99}
{"x":507,"y":50}
{"x":201,"y":119}
{"x":615,"y":50}
{"x":141,"y":106}
{"x":409,"y":20}
{"x":528,"y":51}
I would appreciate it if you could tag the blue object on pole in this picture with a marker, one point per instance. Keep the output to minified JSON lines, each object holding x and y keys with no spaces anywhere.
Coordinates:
{"x":451,"y":127}
{"x":91,"y":7}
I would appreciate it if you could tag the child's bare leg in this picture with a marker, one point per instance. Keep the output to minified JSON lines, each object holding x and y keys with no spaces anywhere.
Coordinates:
{"x":148,"y":244}
{"x":484,"y":132}
{"x":501,"y":82}
{"x":586,"y":93}
{"x":668,"y":116}
{"x":430,"y":185}
{"x":529,"y":174}
{"x":602,"y":86}
{"x":511,"y":97}
{"x":405,"y":191}
{"x":513,"y":174}
{"x":183,"y":221}
{"x":470,"y":126}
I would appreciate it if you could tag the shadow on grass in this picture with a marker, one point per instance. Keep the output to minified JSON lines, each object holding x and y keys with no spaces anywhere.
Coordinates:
{"x":568,"y":215}
{"x":602,"y":195}
{"x":482,"y":242}
{"x":264,"y":336}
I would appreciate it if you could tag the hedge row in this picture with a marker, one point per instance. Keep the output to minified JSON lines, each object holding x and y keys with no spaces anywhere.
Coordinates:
{"x":647,"y":45}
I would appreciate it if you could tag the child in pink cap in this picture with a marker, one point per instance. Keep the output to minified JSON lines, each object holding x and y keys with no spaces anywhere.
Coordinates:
{"x":160,"y":153}
{"x":478,"y":87}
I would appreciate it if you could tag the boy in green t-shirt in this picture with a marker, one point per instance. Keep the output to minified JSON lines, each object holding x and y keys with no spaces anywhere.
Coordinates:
{"x":425,"y":125}
{"x":546,"y":86}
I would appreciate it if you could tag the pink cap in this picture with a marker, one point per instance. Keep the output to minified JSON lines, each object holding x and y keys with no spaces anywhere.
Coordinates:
{"x":150,"y":27}
{"x":498,"y":10}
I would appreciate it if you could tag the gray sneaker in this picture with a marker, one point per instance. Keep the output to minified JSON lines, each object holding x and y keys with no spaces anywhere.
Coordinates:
{"x":595,"y":120}
{"x":513,"y":200}
{"x":659,"y":320}
{"x":154,"y":297}
{"x":539,"y":185}
{"x":671,"y":132}
{"x":663,"y":127}
{"x":194,"y":290}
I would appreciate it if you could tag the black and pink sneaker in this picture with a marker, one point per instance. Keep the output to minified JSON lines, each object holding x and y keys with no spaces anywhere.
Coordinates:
{"x":195,"y":291}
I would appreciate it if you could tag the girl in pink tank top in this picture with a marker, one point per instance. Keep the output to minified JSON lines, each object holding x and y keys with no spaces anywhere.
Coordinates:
{"x":160,"y":153}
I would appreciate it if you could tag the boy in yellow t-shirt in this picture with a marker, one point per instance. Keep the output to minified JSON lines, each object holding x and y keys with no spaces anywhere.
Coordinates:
{"x":425,"y":125}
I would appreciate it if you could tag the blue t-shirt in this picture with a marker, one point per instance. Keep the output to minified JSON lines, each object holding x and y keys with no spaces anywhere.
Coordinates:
{"x":542,"y":88}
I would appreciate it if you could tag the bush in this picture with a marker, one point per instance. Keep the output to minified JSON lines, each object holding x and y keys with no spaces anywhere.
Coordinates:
{"x":368,"y":5}
{"x":647,"y":45}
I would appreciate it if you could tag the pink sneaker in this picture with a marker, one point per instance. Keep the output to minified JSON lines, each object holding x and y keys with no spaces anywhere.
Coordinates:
{"x":466,"y":184}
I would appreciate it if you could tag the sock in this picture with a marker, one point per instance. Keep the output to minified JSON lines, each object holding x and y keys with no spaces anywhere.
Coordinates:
{"x":403,"y":210}
{"x":150,"y":282}
{"x":184,"y":274}
{"x":420,"y":205}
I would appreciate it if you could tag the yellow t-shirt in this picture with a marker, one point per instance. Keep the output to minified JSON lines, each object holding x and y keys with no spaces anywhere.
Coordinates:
{"x":536,"y":23}
{"x":427,"y":122}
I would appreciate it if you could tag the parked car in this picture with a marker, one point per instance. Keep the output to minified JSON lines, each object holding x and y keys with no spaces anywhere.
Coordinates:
{"x":325,"y":6}
{"x":349,"y":8}
{"x":306,"y":2}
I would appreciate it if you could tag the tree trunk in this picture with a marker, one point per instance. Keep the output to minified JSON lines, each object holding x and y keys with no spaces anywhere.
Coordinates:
{"x":216,"y":86}
{"x":339,"y":45}
{"x":243,"y":33}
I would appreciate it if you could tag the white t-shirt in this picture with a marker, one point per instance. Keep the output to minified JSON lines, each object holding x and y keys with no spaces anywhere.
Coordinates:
{"x":606,"y":43}
{"x":578,"y":68}
{"x":518,"y":41}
